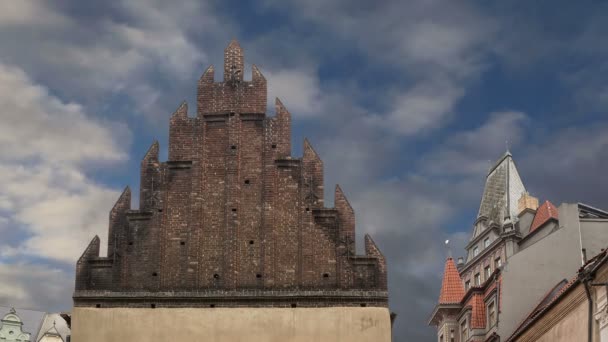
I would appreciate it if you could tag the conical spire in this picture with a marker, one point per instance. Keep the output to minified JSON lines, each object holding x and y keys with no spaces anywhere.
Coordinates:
{"x":452,"y":289}
{"x":502,"y":191}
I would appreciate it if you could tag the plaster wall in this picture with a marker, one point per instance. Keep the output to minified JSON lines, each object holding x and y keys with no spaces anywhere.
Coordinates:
{"x":570,"y":328}
{"x":530,"y":273}
{"x":594,"y":234}
{"x":232,"y":324}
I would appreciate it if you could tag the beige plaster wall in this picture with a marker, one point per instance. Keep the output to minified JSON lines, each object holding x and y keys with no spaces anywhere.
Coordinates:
{"x":566,"y":322}
{"x":232,"y":324}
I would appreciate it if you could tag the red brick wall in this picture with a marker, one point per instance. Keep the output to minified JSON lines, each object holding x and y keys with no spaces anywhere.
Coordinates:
{"x":231,"y":208}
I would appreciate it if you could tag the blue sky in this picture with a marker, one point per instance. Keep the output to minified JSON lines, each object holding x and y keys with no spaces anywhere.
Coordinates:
{"x":407,"y":102}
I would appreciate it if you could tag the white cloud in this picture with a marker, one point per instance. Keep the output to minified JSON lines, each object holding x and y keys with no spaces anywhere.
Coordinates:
{"x":106,"y":57}
{"x":29,"y":12}
{"x":299,"y":90}
{"x":32,"y":286}
{"x":44,"y":146}
{"x":428,"y":105}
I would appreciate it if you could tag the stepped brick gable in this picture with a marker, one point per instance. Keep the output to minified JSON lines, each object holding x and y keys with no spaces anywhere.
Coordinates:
{"x":231,"y":218}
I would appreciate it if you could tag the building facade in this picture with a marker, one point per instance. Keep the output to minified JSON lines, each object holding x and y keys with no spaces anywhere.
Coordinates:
{"x":573,"y":310}
{"x":232,"y":237}
{"x":518,"y":251}
{"x":11,"y":329}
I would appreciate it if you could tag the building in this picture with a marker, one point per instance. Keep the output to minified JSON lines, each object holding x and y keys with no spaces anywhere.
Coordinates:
{"x":33,"y":326}
{"x":232,"y":239}
{"x":518,"y":251}
{"x":12,"y":328}
{"x":573,"y":310}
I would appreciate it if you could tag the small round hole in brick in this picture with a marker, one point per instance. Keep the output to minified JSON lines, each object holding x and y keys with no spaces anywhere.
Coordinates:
{"x":97,"y":305}
{"x":130,"y":243}
{"x":153,"y":306}
{"x":233,"y":209}
{"x":154,"y":274}
{"x":232,"y":113}
{"x":216,"y":276}
{"x":259,"y":276}
{"x":233,"y":147}
{"x":293,"y":305}
{"x":363,"y":305}
{"x":160,"y":210}
{"x":212,"y":305}
{"x":274,"y":146}
{"x":325,"y":275}
{"x":307,"y":209}
{"x":251,"y":242}
{"x":247,"y":182}
{"x":183,"y":243}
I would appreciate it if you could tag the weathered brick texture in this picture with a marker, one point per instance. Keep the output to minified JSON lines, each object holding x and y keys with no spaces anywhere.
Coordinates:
{"x":232,"y":212}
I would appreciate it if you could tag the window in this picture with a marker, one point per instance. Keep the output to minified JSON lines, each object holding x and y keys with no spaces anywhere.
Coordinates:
{"x":497,"y":262}
{"x":464,"y":334}
{"x":467,"y":284}
{"x":486,"y":243}
{"x":487,"y":272}
{"x":452,"y":335}
{"x":491,"y":314}
{"x":475,"y":251}
{"x":477,"y":279}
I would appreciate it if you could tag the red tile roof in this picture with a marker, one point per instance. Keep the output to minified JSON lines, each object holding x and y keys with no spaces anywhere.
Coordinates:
{"x":544,"y":213}
{"x":478,"y":311}
{"x":452,"y":289}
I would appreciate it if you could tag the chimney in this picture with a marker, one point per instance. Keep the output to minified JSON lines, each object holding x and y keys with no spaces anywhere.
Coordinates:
{"x":527,"y":202}
{"x":460,"y":263}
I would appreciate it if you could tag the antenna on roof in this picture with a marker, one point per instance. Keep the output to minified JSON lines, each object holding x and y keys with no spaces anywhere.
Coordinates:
{"x":447,"y":246}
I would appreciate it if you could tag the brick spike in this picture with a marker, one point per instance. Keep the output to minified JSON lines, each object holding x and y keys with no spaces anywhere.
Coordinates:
{"x":234,"y":44}
{"x":233,"y":57}
{"x":181,"y":111}
{"x":371,"y":249}
{"x":91,"y":251}
{"x":340,"y":197}
{"x":280,"y":109}
{"x":208,"y":76}
{"x":309,"y":150}
{"x":452,"y":289}
{"x":152,"y":153}
{"x":256,"y":74}
{"x":124,"y":200}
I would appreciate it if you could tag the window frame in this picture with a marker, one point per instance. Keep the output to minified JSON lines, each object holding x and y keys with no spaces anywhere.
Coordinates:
{"x":491,"y":323}
{"x":477,"y":279}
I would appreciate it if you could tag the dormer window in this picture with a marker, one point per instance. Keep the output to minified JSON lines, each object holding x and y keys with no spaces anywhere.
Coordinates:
{"x":475,"y":251}
{"x":486,"y":243}
{"x":467,"y":285}
{"x":477,"y":279}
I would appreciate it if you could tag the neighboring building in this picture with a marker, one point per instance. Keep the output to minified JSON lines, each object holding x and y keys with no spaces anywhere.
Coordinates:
{"x":34,"y":326}
{"x":231,"y":239}
{"x":575,"y":310}
{"x":518,"y":251}
{"x":12,"y":328}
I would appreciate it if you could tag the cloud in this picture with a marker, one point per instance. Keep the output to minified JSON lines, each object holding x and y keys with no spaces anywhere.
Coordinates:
{"x":298,"y":89}
{"x":127,"y":59}
{"x":426,"y":106}
{"x":473,"y":152}
{"x":35,"y":286}
{"x":45,"y":147}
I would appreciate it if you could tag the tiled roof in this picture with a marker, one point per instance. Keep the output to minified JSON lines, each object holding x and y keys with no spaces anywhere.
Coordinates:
{"x":478,"y":311}
{"x":544,"y":213}
{"x":452,"y":289}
